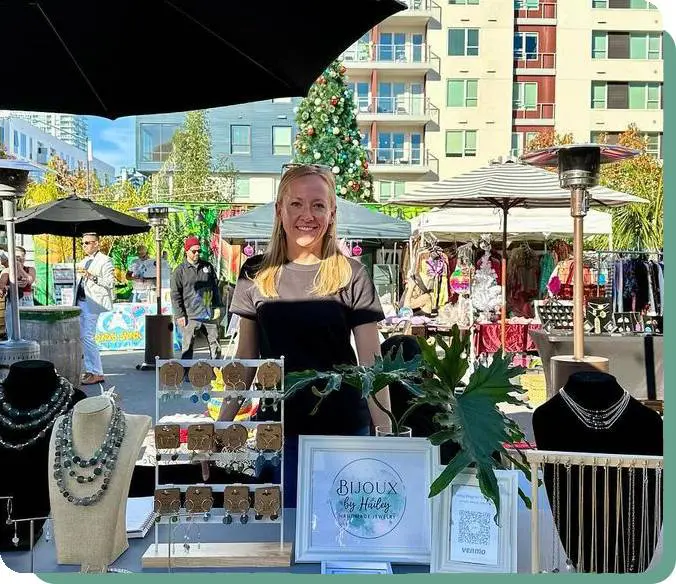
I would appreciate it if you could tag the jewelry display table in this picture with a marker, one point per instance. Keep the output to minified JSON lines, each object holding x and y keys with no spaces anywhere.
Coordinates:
{"x":636,"y":361}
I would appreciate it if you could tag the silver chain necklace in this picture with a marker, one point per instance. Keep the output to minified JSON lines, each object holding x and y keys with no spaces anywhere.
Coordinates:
{"x":597,"y":419}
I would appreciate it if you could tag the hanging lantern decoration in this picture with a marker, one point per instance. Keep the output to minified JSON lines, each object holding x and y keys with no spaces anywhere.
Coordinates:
{"x":356,"y":250}
{"x":248,"y":250}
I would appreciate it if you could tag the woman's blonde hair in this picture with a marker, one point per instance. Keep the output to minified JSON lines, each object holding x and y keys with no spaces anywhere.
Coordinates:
{"x":334,"y":270}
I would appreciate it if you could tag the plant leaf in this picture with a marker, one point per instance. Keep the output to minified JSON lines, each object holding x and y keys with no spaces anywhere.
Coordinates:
{"x":455,"y":466}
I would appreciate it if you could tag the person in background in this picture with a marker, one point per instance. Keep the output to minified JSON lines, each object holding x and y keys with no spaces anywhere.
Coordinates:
{"x":25,"y":278}
{"x":94,"y":295}
{"x":196,"y":300}
{"x":142,"y":274}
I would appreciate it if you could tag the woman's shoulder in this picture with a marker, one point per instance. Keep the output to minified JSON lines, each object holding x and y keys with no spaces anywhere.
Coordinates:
{"x":358,"y":269}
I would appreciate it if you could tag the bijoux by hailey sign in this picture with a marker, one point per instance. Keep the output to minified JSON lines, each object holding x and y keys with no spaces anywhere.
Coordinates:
{"x":364,"y":498}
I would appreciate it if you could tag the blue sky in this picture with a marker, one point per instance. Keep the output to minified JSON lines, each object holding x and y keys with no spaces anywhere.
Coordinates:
{"x":113,"y":141}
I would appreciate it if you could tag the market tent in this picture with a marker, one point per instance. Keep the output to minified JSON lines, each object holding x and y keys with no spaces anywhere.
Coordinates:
{"x":353,"y":222}
{"x":532,"y":224}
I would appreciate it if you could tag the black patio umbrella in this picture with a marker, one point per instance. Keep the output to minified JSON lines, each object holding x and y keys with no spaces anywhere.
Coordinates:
{"x":73,"y":217}
{"x":187,"y":54}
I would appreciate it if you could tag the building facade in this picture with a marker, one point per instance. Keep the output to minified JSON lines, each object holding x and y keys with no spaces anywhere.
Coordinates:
{"x":449,"y":85}
{"x":69,"y":128}
{"x":24,"y":141}
{"x":256,"y":137}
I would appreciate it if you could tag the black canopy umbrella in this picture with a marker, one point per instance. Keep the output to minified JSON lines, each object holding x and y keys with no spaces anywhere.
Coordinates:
{"x":75,"y":216}
{"x":258,"y":50}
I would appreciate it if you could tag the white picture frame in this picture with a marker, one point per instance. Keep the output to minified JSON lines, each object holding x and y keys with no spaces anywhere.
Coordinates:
{"x":464,"y":534}
{"x":356,"y":568}
{"x":364,"y":498}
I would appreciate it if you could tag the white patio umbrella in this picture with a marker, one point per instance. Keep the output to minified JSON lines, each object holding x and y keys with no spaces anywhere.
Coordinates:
{"x":506,"y":186}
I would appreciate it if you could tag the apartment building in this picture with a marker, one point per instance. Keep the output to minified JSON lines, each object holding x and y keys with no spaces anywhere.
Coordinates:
{"x":449,"y":85}
{"x":24,"y":141}
{"x":69,"y":128}
{"x":256,"y":137}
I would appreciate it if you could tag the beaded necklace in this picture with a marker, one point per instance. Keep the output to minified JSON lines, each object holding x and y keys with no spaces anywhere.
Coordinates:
{"x":48,"y":417}
{"x":69,"y":464}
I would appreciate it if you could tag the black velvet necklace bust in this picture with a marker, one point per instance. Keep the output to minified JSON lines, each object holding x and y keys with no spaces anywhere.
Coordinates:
{"x":638,"y":430}
{"x":28,"y":385}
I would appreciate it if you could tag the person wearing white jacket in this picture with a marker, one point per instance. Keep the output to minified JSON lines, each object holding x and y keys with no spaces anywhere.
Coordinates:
{"x":94,"y":295}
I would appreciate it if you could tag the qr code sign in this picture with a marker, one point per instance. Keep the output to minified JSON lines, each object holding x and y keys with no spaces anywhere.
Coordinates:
{"x":473,"y":527}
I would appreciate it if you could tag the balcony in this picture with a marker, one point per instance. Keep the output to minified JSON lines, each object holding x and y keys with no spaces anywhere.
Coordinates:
{"x":398,"y":110}
{"x":404,"y":160}
{"x":541,"y":114}
{"x":534,"y":63}
{"x":419,"y":13}
{"x":409,"y":58}
{"x":545,"y":13}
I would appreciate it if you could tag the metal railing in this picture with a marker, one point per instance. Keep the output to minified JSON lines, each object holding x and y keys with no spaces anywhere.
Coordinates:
{"x":525,"y":60}
{"x":400,"y":105}
{"x":422,"y":6}
{"x":540,"y":111}
{"x":405,"y":156}
{"x":544,"y":9}
{"x":391,"y":53}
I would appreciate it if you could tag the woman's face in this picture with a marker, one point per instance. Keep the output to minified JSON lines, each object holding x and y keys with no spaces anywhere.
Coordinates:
{"x":306,"y":211}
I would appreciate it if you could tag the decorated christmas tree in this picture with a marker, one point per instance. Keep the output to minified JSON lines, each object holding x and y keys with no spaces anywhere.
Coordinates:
{"x":486,"y":293}
{"x":328,"y":134}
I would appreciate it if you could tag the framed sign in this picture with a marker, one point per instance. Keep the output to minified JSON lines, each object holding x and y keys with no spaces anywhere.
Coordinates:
{"x":465,"y":535}
{"x":357,"y":568}
{"x":364,"y":499}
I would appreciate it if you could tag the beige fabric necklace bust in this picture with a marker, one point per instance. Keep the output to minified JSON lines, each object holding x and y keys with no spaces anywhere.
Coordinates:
{"x":95,"y":536}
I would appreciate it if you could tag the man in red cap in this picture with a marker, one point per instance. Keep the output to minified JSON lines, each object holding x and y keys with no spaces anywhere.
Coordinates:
{"x":196,"y":300}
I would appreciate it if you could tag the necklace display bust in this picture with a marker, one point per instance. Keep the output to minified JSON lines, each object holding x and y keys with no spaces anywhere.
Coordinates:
{"x":101,"y":524}
{"x":33,"y":395}
{"x":595,"y":416}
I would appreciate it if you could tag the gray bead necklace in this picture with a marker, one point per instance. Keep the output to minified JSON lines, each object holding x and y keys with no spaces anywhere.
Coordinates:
{"x":17,"y":419}
{"x":55,"y":413}
{"x":68,"y":464}
{"x":597,"y":419}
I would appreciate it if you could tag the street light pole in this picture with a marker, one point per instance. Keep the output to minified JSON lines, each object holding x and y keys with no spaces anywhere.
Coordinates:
{"x":90,"y":158}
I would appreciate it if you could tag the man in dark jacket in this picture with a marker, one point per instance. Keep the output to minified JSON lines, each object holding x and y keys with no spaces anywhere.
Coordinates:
{"x":196,"y":300}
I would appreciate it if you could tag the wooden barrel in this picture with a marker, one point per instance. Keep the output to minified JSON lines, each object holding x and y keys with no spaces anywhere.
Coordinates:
{"x":57,"y":330}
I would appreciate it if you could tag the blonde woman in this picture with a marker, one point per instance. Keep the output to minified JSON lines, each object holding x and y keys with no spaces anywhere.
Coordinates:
{"x":303,"y":299}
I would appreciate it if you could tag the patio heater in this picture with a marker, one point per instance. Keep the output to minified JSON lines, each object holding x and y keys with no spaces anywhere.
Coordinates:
{"x":159,"y":327}
{"x":579,"y":166}
{"x":13,"y":181}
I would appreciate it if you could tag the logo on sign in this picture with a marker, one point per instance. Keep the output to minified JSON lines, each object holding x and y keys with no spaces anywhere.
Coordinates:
{"x":367,"y":498}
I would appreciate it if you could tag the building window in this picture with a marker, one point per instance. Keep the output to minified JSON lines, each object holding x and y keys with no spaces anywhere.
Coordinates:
{"x":389,"y":190}
{"x":392,"y":47}
{"x":521,"y":142}
{"x":30,"y":148}
{"x":2,"y":136}
{"x":460,"y":143}
{"x":525,"y":95}
{"x":634,"y":4}
{"x":526,"y":4}
{"x":463,"y":42}
{"x":467,"y":2}
{"x":653,"y":141}
{"x":625,"y":45}
{"x":360,"y":95}
{"x":526,"y":46}
{"x":156,"y":145}
{"x":240,"y":139}
{"x":635,"y":95}
{"x":242,"y":186}
{"x":462,"y":92}
{"x":23,"y":148}
{"x":281,"y":100}
{"x":281,"y":140}
{"x":15,"y":142}
{"x":644,"y":96}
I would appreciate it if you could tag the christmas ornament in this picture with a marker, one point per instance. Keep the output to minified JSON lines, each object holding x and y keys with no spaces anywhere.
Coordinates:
{"x":336,"y":131}
{"x":334,"y":100}
{"x":342,"y":69}
{"x":310,"y":131}
{"x":356,"y":250}
{"x":335,"y":170}
{"x":317,"y":155}
{"x":248,"y":250}
{"x":343,"y":191}
{"x":318,"y":101}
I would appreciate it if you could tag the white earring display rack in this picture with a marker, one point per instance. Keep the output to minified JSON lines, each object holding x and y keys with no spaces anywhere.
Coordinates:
{"x":229,"y":539}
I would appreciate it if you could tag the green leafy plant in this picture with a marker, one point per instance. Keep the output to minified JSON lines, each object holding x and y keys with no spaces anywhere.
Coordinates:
{"x":471,"y":419}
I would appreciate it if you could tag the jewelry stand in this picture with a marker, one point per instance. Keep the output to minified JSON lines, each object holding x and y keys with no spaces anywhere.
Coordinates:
{"x":219,"y":554}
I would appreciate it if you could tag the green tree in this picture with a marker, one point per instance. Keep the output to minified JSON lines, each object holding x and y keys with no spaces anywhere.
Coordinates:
{"x":639,"y":225}
{"x":328,"y":134}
